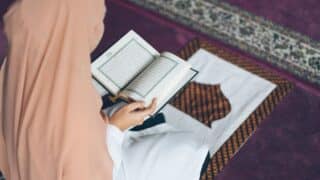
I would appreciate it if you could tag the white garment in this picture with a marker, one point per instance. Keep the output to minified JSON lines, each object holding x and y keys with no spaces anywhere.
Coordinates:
{"x":158,"y":153}
{"x":115,"y":139}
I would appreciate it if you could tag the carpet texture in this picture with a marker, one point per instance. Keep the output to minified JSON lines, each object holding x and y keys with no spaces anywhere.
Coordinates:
{"x":204,"y":102}
{"x":301,"y":16}
{"x":282,"y":47}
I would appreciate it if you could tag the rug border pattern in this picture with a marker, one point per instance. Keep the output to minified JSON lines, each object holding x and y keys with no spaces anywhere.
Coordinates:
{"x":299,"y":66}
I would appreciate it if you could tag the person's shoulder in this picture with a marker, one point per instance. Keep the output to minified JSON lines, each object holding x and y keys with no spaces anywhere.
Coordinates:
{"x":37,"y":12}
{"x":44,"y":15}
{"x":40,"y":18}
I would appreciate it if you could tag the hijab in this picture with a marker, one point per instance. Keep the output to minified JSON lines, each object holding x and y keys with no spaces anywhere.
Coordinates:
{"x":51,"y":127}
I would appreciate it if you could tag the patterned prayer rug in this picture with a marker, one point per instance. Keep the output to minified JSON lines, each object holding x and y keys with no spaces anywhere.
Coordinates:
{"x":220,"y":106}
{"x":206,"y":103}
{"x":284,"y":48}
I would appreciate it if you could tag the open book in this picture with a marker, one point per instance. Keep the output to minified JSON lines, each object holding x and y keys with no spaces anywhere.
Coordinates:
{"x":133,"y":70}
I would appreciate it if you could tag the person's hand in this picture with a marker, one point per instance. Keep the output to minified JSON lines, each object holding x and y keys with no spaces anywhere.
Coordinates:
{"x":132,"y":114}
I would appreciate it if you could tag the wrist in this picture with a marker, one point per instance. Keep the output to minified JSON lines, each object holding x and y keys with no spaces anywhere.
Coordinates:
{"x":118,"y":125}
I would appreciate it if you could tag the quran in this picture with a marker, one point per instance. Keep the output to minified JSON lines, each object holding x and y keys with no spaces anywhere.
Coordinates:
{"x":132,"y":70}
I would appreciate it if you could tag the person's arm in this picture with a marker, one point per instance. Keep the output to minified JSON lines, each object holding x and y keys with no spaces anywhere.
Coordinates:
{"x":132,"y":114}
{"x":124,"y":118}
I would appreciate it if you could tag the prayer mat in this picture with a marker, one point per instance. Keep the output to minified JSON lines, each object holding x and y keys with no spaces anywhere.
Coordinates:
{"x":240,"y":136}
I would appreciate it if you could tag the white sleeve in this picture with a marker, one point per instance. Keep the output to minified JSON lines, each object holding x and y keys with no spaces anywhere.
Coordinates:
{"x":114,"y":142}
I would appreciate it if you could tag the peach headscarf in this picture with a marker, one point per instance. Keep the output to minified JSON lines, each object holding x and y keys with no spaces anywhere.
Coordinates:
{"x":51,"y":127}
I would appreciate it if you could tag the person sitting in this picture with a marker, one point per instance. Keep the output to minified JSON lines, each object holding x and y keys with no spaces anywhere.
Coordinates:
{"x":51,"y":124}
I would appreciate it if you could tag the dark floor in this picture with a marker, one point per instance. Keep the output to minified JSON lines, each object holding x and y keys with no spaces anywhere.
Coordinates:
{"x":299,"y":15}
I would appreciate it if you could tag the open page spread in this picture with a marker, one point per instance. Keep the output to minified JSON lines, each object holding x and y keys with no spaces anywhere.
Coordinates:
{"x":122,"y":62}
{"x":158,"y":79}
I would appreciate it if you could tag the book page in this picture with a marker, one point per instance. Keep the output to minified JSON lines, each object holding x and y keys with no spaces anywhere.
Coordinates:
{"x":126,"y":64}
{"x":158,"y":79}
{"x":122,"y":62}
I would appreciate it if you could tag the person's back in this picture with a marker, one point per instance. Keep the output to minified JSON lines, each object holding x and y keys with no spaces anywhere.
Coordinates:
{"x":51,"y":130}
